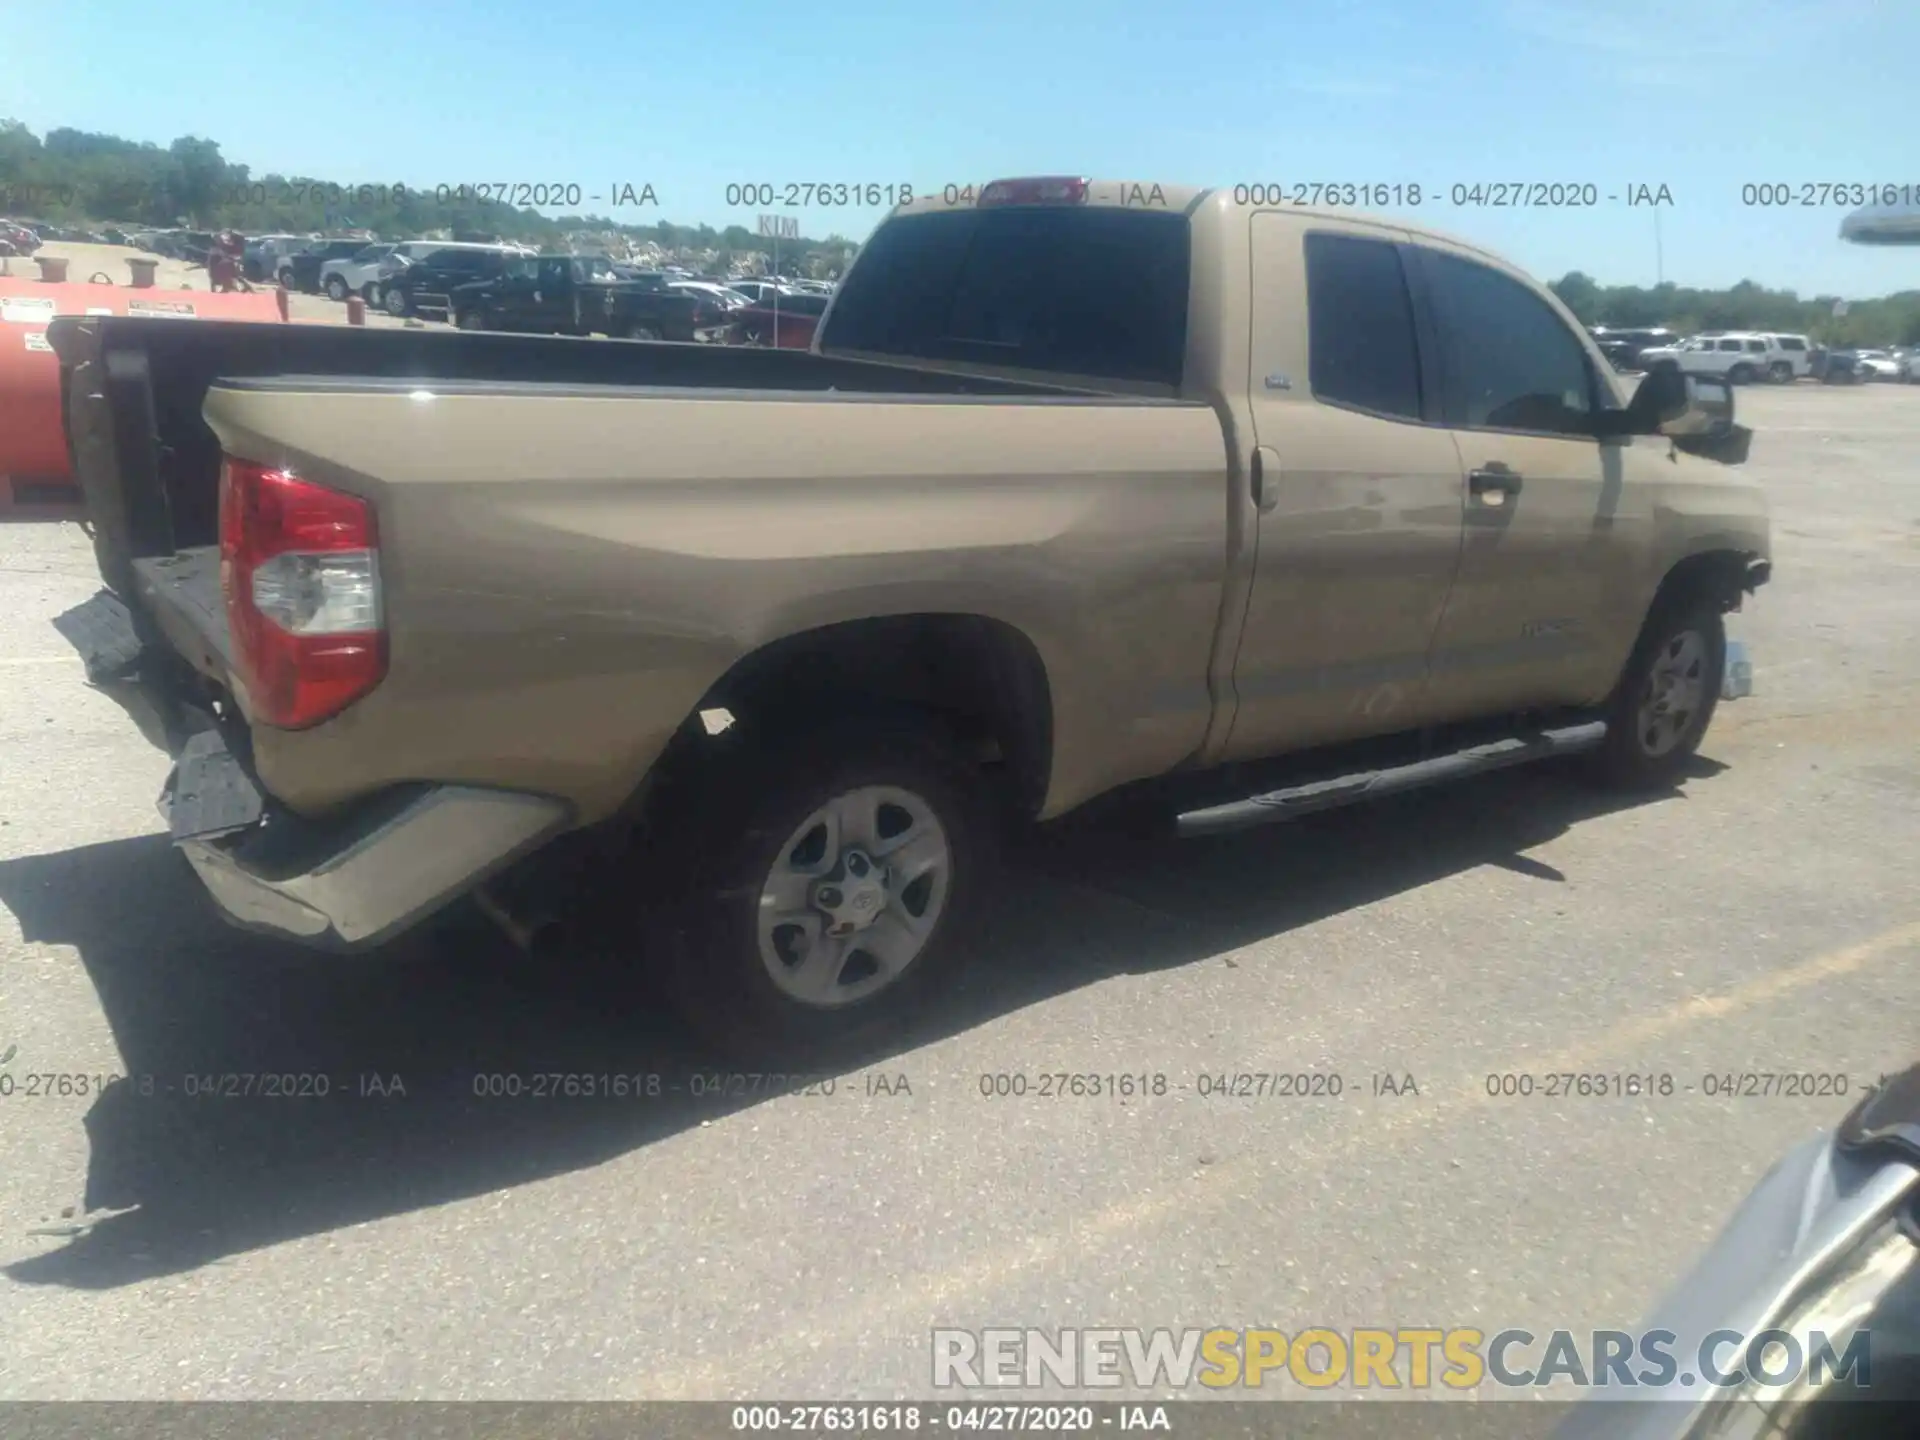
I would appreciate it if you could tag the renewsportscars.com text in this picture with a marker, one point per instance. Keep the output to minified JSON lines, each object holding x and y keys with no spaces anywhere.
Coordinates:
{"x":1389,"y":1358}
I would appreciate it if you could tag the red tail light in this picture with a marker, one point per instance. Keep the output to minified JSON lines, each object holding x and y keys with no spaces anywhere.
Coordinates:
{"x":300,"y":573}
{"x":1036,"y":190}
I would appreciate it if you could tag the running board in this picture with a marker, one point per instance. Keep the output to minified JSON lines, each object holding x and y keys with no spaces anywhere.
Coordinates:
{"x":1296,"y":800}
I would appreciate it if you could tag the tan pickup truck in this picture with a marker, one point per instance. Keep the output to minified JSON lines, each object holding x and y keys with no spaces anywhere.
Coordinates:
{"x":1084,"y":485}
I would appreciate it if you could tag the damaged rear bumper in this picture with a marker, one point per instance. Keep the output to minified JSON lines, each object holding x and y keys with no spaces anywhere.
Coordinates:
{"x":353,"y":885}
{"x":343,"y":882}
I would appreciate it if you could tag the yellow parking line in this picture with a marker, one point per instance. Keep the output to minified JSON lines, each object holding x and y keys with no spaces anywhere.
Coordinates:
{"x":914,"y":1300}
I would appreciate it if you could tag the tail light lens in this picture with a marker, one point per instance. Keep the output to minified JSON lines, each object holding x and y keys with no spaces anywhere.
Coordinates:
{"x":300,"y":574}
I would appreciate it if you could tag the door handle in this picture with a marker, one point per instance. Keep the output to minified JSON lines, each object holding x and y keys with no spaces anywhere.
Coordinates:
{"x":1493,"y":481}
{"x":1266,"y":480}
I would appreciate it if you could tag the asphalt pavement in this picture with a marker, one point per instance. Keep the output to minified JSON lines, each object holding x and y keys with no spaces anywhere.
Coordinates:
{"x":410,"y":1235}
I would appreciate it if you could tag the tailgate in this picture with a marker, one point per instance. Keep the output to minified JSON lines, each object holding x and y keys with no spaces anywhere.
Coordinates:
{"x":155,"y":641}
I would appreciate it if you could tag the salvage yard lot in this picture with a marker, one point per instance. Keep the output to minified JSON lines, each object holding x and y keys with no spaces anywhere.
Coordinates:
{"x":443,"y":1242}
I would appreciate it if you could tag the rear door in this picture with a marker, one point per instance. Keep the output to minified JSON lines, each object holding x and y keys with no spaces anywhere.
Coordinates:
{"x":1546,"y":578}
{"x":549,"y":305}
{"x":1359,"y":493}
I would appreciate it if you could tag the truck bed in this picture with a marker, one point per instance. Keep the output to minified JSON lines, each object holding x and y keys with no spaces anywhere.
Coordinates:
{"x":132,"y":393}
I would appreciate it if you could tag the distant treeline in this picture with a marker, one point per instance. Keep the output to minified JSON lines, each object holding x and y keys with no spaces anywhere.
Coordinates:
{"x":1891,"y":320}
{"x":75,"y":177}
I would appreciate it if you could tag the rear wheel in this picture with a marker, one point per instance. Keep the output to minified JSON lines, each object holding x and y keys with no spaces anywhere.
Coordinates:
{"x":1741,"y":374}
{"x":827,"y":879}
{"x":1781,"y":372}
{"x":640,"y":331}
{"x":1666,"y":698}
{"x":395,"y":301}
{"x":475,"y":319}
{"x":337,"y":288}
{"x":285,"y":277}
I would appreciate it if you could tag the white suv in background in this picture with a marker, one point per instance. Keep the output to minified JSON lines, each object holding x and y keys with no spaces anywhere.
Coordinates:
{"x":1791,"y":356}
{"x":1740,"y":358}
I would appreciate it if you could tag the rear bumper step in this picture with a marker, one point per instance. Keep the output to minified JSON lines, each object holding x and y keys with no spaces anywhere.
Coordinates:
{"x":1328,"y":794}
{"x":346,"y":883}
{"x":366,"y":881}
{"x":101,"y":629}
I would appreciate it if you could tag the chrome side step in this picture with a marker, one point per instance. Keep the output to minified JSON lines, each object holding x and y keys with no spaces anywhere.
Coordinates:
{"x":1330,"y":794}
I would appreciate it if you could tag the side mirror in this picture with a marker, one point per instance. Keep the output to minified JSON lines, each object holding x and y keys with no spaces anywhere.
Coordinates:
{"x":1671,"y":403}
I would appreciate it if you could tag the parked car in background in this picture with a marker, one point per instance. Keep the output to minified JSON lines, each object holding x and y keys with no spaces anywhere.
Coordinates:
{"x":423,"y":283}
{"x":757,"y":288}
{"x":1880,"y":365}
{"x":194,"y":246}
{"x":354,"y":274}
{"x":17,"y":239}
{"x":1792,"y":356}
{"x":712,"y":290}
{"x":261,"y":258}
{"x":634,"y":274}
{"x":1622,"y":346}
{"x":301,"y":269}
{"x":1839,"y":367}
{"x":1913,"y":367}
{"x":785,"y":321}
{"x":1725,"y":355}
{"x":583,"y":295}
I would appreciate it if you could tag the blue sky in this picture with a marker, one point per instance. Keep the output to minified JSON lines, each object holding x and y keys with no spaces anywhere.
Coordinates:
{"x":1702,"y":96}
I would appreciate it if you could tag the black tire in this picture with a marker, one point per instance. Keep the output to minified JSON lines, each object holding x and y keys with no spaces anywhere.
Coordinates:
{"x":395,"y":302}
{"x":732,"y":825}
{"x":337,"y":289}
{"x":1741,"y":374}
{"x":1781,"y":372}
{"x":285,"y":277}
{"x":640,"y":330}
{"x":470,"y":319}
{"x":1633,"y":758}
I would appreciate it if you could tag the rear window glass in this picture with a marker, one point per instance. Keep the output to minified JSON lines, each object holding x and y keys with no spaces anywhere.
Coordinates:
{"x":1095,"y":292}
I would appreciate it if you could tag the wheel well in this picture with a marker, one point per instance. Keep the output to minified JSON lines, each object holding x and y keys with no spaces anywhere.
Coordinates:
{"x":983,"y":677}
{"x":1723,"y":576}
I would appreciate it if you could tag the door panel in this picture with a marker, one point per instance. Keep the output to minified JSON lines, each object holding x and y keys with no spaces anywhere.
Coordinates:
{"x":1526,"y":622}
{"x":1360,"y":513}
{"x":1545,"y":574}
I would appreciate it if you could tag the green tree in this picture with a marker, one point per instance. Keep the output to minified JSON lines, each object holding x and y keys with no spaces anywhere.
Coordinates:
{"x":1580,"y":293}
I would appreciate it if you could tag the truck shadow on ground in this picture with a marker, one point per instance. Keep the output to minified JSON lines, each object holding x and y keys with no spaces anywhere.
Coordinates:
{"x":202,"y":1176}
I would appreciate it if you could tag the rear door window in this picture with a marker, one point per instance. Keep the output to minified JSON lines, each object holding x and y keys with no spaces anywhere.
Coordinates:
{"x":1360,"y":334}
{"x":1093,"y":292}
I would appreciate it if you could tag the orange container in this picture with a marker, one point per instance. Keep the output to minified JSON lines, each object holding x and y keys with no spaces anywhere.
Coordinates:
{"x":33,"y":446}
